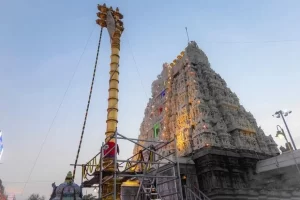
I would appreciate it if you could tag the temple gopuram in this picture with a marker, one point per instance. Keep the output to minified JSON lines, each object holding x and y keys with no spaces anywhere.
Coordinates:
{"x":218,"y":141}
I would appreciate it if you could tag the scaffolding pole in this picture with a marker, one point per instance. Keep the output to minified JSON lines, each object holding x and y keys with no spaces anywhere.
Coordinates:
{"x":149,"y":174}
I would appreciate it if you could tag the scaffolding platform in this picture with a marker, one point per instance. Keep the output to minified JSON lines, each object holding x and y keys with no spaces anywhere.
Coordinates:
{"x":96,"y":177}
{"x":148,"y":168}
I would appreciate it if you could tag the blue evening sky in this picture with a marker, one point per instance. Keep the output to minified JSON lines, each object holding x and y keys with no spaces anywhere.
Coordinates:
{"x":253,"y":45}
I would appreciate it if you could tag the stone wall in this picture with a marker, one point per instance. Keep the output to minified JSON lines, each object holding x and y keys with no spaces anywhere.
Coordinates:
{"x":225,"y":174}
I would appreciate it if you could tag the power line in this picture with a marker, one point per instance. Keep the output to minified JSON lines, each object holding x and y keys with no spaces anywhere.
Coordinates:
{"x":136,"y":66}
{"x":56,"y":114}
{"x":250,"y":42}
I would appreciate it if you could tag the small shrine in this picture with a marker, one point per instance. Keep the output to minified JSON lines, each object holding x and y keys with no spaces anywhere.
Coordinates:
{"x":67,"y":190}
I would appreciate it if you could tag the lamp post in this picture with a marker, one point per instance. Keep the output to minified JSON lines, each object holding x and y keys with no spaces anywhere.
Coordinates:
{"x":283,"y":114}
{"x":280,"y":133}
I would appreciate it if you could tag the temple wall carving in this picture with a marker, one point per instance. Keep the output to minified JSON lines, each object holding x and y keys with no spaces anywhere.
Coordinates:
{"x":191,"y":102}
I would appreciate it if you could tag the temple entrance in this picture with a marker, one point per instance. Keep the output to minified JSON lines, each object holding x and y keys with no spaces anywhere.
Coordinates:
{"x":183,"y":184}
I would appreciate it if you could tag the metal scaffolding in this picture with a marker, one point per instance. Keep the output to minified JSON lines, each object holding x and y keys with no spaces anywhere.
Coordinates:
{"x":154,"y":174}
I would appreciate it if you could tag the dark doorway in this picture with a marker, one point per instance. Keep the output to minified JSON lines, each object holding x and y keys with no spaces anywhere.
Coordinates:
{"x":183,"y":184}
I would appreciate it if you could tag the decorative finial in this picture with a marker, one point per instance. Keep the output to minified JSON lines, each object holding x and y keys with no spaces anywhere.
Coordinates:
{"x":102,"y":8}
{"x":69,"y":177}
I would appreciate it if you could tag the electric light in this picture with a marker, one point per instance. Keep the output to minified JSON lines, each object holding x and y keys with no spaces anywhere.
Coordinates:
{"x":280,"y":135}
{"x":283,"y":114}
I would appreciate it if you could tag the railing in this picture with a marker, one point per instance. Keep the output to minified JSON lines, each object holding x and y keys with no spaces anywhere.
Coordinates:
{"x":194,"y":194}
{"x":90,"y":167}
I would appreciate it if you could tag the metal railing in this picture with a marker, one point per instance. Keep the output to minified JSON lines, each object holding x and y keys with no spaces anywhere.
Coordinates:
{"x":194,"y":194}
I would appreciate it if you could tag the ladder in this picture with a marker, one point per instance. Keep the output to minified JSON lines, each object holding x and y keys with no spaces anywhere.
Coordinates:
{"x":160,"y":175}
{"x":149,"y":189}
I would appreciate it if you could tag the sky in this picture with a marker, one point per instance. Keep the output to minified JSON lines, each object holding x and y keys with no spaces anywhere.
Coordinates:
{"x":47,"y":55}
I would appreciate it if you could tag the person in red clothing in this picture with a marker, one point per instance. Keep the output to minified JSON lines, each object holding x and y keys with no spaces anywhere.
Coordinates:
{"x":109,"y":150}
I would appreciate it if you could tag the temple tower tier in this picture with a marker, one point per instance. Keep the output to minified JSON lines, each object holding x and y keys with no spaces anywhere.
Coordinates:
{"x":192,"y":103}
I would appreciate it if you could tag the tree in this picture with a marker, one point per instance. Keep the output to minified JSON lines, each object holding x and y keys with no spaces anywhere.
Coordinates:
{"x":36,"y":197}
{"x":1,"y":187}
{"x":89,"y":197}
{"x":2,"y":191}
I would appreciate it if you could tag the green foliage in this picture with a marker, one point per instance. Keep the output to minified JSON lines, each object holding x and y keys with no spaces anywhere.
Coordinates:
{"x":3,"y":196}
{"x":2,"y":189}
{"x":36,"y":197}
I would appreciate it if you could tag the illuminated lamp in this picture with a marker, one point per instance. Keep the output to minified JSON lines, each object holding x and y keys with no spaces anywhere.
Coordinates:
{"x":280,"y":135}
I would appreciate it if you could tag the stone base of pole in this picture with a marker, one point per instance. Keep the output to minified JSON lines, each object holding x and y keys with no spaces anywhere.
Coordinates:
{"x":108,"y":187}
{"x":108,"y":164}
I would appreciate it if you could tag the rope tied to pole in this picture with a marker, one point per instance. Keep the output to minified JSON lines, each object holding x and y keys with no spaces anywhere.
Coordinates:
{"x":88,"y":104}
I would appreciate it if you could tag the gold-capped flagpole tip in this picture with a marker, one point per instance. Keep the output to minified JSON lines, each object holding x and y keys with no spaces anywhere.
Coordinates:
{"x":119,"y":22}
{"x":117,"y":33}
{"x":118,"y":26}
{"x":121,"y":28}
{"x":102,"y":15}
{"x":101,"y":22}
{"x":117,"y":15}
{"x":102,"y":8}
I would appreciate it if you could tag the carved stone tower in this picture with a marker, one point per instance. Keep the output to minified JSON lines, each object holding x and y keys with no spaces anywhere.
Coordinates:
{"x":191,"y":102}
